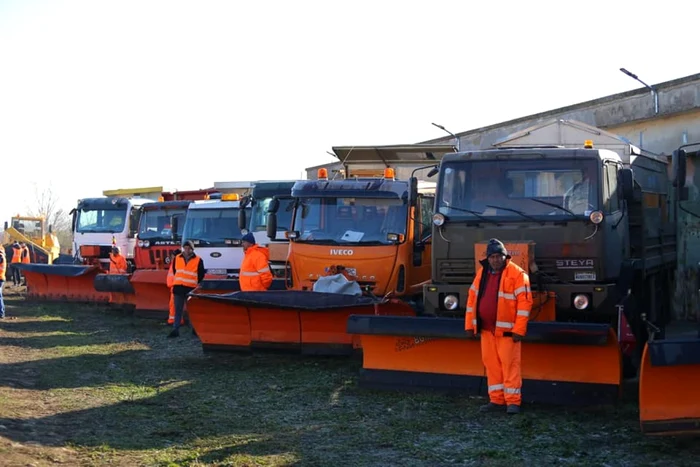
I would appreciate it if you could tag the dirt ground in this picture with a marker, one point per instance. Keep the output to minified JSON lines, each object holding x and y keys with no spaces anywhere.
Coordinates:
{"x":84,"y":385}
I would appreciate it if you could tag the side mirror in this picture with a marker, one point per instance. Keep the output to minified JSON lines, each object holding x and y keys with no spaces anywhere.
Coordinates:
{"x":678,"y":166}
{"x":272,"y":225}
{"x":50,"y":228}
{"x":245,"y":201}
{"x":242,"y":221}
{"x":273,"y":206}
{"x":433,"y":171}
{"x":626,"y":179}
{"x":412,"y":191}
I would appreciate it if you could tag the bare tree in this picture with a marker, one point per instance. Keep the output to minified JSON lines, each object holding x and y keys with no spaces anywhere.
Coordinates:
{"x":47,"y":205}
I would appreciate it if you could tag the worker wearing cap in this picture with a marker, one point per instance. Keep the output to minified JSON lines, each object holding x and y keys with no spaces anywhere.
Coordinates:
{"x":188,"y":271}
{"x":498,"y":307}
{"x":117,"y":263}
{"x":255,"y":272}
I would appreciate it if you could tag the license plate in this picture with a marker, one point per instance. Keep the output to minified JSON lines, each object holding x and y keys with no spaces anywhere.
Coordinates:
{"x":584,"y":276}
{"x":218,"y":272}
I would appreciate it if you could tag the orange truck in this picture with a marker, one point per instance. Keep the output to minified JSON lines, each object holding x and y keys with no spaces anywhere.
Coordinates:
{"x":368,"y":223}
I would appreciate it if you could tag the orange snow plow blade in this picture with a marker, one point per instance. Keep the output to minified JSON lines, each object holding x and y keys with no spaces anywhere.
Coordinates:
{"x":151,"y":297}
{"x":121,"y":293}
{"x":298,"y":321}
{"x":562,"y":363}
{"x":669,"y":387}
{"x":73,"y":283}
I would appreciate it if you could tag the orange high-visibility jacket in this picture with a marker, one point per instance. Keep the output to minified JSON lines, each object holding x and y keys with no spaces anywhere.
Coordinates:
{"x":26,"y":258}
{"x":514,"y":300}
{"x":16,"y":254}
{"x":3,"y":263}
{"x":255,"y":271}
{"x":117,"y":264}
{"x":186,"y":273}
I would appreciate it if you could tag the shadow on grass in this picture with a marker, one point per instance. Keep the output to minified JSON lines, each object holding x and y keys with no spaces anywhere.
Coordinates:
{"x":129,"y":389}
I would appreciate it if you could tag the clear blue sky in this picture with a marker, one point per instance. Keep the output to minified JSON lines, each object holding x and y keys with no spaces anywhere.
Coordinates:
{"x":100,"y":95}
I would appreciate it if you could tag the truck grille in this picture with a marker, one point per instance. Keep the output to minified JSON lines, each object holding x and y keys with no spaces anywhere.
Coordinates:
{"x":456,"y":271}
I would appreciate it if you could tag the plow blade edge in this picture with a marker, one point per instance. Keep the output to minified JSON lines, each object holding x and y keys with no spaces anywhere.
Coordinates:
{"x":562,"y":363}
{"x":73,"y":283}
{"x":669,"y":387}
{"x":297,"y":321}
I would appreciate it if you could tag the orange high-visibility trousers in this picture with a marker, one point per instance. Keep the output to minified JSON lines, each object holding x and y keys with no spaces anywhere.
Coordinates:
{"x":171,"y":315}
{"x":501,"y":357}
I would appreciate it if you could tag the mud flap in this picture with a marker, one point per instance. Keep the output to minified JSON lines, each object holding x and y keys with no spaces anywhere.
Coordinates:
{"x":73,"y":283}
{"x":297,"y":321}
{"x":151,"y":293}
{"x":669,"y":387}
{"x":562,"y":363}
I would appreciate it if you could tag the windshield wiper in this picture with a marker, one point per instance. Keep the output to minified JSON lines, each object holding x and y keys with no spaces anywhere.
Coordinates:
{"x":474,"y":213}
{"x":517,"y":212}
{"x":554,"y":205}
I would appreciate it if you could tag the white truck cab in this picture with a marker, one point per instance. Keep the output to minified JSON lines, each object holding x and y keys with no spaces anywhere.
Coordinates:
{"x":212,"y":226}
{"x":99,"y":223}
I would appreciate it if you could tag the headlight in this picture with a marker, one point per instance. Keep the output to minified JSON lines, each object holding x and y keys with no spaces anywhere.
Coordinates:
{"x":146,"y":243}
{"x":140,"y":244}
{"x":438,"y":219}
{"x":451,"y":302}
{"x":581,"y":302}
{"x":596,"y":217}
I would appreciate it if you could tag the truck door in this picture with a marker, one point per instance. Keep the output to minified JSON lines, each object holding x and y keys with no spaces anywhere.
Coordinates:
{"x":614,"y":228}
{"x":422,"y":230}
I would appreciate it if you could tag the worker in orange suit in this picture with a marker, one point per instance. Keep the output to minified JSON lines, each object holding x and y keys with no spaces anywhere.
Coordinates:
{"x":188,"y":271}
{"x":16,"y":259}
{"x":255,"y":272}
{"x":170,"y":281}
{"x":117,"y":263}
{"x":26,"y":256}
{"x":498,"y":308}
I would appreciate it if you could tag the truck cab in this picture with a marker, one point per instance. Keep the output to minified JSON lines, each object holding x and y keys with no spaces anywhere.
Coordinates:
{"x":374,"y":225}
{"x":100,"y":223}
{"x":259,"y":201}
{"x":160,"y":233}
{"x":592,"y":226}
{"x":212,"y":227}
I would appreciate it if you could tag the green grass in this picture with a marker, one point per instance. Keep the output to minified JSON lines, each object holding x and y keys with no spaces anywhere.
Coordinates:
{"x":86,"y":386}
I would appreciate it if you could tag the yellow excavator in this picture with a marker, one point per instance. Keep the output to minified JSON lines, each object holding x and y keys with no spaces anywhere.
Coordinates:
{"x":43,"y":245}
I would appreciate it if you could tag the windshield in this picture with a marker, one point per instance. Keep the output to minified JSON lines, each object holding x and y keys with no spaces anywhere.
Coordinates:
{"x":518,"y":189}
{"x":339,"y":221}
{"x":101,"y":220}
{"x":258,"y":221}
{"x":157,"y":224}
{"x":212,"y":227}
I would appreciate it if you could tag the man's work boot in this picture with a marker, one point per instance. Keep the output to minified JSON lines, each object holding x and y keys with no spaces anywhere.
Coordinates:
{"x":174,"y":333}
{"x":513,"y":409}
{"x":491,"y":407}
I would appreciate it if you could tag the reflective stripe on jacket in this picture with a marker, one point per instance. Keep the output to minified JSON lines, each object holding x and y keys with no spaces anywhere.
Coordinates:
{"x":186,"y":272}
{"x":255,"y":272}
{"x":514,"y":300}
